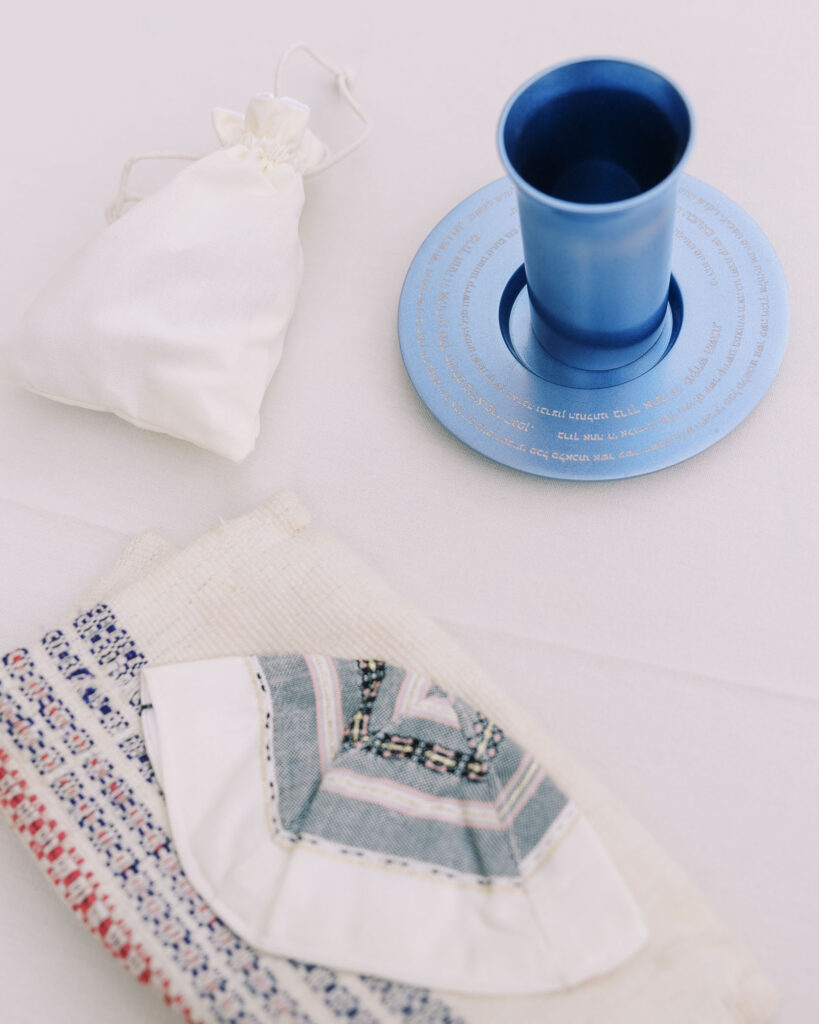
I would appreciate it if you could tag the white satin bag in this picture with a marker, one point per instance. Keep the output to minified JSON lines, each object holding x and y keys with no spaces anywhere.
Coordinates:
{"x":174,"y":316}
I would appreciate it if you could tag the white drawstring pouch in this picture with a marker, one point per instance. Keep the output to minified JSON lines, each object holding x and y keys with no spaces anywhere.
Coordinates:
{"x":174,"y":316}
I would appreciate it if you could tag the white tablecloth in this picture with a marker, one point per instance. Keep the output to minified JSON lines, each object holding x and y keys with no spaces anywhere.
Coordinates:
{"x":663,"y":627}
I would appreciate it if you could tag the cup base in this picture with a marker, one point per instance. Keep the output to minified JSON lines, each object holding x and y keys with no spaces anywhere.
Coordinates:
{"x":515,"y":317}
{"x":467,"y":345}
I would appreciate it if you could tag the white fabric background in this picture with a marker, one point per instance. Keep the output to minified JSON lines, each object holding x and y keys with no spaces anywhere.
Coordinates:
{"x":663,"y":627}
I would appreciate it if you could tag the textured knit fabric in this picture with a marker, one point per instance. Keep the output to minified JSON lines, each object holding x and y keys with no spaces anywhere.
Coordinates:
{"x":76,"y":782}
{"x":353,"y":813}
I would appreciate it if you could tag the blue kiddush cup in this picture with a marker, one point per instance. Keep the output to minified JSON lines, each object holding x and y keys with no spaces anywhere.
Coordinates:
{"x":595,"y":149}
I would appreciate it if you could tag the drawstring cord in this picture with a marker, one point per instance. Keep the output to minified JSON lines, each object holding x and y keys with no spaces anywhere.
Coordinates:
{"x":116,"y":207}
{"x":344,"y":82}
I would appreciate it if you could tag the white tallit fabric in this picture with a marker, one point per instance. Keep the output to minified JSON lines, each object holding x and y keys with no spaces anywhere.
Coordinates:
{"x":270,"y":581}
{"x":174,"y":316}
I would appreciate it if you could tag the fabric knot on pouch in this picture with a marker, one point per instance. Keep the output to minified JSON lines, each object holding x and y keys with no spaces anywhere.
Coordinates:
{"x":273,"y":130}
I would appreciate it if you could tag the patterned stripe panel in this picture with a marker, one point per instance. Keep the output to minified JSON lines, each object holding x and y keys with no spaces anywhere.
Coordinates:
{"x":140,"y":861}
{"x":48,"y":696}
{"x":356,"y":767}
{"x":480,"y":855}
{"x":52,"y":847}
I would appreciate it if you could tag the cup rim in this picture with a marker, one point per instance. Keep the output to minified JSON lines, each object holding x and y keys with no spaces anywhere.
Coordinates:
{"x":570,"y":205}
